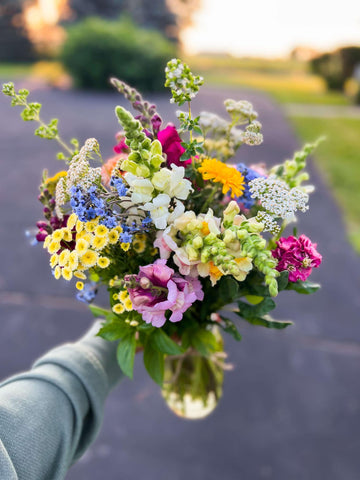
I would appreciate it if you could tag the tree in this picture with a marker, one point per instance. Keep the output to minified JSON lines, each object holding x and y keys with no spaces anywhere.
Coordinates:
{"x":14,"y":43}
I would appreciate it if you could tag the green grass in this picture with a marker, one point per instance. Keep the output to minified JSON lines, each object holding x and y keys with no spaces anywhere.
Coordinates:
{"x":9,"y":71}
{"x":288,"y":81}
{"x":339,"y":160}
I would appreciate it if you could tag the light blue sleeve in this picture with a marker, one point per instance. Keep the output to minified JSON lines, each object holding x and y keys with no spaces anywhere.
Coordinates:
{"x":50,"y":414}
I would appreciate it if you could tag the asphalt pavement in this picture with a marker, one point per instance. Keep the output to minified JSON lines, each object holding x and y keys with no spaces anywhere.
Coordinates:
{"x":291,"y":407}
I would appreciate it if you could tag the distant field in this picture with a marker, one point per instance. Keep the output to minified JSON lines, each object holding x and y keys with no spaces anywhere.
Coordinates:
{"x":288,"y":81}
{"x":339,"y":160}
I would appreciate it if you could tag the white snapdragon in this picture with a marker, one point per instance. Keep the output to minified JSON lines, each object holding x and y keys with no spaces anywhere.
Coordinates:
{"x":141,"y":188}
{"x":159,"y":210}
{"x":172,"y":182}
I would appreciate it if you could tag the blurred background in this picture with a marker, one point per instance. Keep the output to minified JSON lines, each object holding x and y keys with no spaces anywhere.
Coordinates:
{"x":291,"y":408}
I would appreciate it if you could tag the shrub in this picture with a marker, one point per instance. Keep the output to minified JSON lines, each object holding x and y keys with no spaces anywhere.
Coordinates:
{"x":336,"y":67}
{"x":97,"y":49}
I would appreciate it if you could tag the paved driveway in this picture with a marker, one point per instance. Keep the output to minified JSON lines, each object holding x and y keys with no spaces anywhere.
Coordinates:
{"x":291,"y":409}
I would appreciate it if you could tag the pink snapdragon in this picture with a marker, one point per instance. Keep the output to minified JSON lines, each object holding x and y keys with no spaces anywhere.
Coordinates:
{"x":158,"y":289}
{"x":298,"y":256}
{"x":171,"y":145}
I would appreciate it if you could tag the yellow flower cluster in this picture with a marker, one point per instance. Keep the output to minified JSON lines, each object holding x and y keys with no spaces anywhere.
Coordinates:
{"x":139,"y":243}
{"x":90,"y":239}
{"x":124,"y":304}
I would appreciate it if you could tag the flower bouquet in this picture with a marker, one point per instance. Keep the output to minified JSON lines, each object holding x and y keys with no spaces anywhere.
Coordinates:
{"x":183,"y":240}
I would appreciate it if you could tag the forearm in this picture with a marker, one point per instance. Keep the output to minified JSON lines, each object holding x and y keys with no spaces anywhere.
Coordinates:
{"x":50,"y":415}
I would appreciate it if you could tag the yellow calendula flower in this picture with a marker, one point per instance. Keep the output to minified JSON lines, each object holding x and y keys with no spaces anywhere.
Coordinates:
{"x":67,"y":273}
{"x":115,"y":296}
{"x":86,"y":236}
{"x":123,"y":295}
{"x":125,"y":246}
{"x":67,"y":235}
{"x":138,"y":245}
{"x":103,"y":262}
{"x":53,"y":246}
{"x":90,"y":226}
{"x":80,"y":275}
{"x":58,"y":235}
{"x":82,"y":246}
{"x":54,"y":259}
{"x":89,"y":258}
{"x":73,"y":260}
{"x":231,"y":179}
{"x":113,"y":236}
{"x":47,"y":241}
{"x":52,"y":181}
{"x":99,"y":242}
{"x":118,"y":308}
{"x":101,"y":230}
{"x":79,"y":226}
{"x":118,"y":229}
{"x":79,"y":285}
{"x":128,"y":305}
{"x":71,"y":222}
{"x":57,"y":272}
{"x":64,"y":257}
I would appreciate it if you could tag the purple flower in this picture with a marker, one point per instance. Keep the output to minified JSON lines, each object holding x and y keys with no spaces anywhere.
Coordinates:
{"x":157,"y":289}
{"x":171,"y":145}
{"x":297,"y":255}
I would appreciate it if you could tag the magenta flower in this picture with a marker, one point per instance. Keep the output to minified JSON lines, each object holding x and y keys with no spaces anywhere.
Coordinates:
{"x":171,"y":145}
{"x":298,"y":256}
{"x":158,"y":289}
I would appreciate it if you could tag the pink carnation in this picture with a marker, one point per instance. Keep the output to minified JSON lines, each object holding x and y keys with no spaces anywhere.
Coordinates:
{"x":157,"y":288}
{"x":297,"y":255}
{"x":171,"y":144}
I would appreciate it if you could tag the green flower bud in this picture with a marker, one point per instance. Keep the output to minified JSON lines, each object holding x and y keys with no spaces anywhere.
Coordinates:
{"x":156,"y":160}
{"x":142,"y":171}
{"x":210,"y":239}
{"x":129,"y":166}
{"x":198,"y":242}
{"x":156,"y":148}
{"x":192,"y":253}
{"x":229,"y":236}
{"x":242,"y":234}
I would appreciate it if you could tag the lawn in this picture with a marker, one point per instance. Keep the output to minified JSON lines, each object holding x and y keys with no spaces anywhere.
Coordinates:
{"x":288,"y":81}
{"x":339,"y":160}
{"x":10,"y":71}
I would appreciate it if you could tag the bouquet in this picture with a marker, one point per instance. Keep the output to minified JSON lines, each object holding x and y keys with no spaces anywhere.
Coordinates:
{"x":184,"y":240}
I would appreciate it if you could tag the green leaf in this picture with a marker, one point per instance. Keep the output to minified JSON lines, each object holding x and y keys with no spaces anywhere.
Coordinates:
{"x":229,"y":327}
{"x":269,"y":322}
{"x":126,"y":354}
{"x":228,"y":289}
{"x":100,"y":312}
{"x":164,"y":343}
{"x":252,"y":311}
{"x":254,"y":299}
{"x":204,"y":342}
{"x":283,"y":280}
{"x":305,"y":288}
{"x":154,"y":362}
{"x":114,"y":330}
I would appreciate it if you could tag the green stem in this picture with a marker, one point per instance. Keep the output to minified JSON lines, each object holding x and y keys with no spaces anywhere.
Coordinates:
{"x":208,"y":200}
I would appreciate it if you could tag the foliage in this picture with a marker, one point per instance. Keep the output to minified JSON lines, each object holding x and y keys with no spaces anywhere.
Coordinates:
{"x":338,"y":159}
{"x":336,"y":67}
{"x":97,"y":49}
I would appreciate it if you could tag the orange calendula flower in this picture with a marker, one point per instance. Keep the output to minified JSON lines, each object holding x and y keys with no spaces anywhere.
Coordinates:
{"x":232,"y":179}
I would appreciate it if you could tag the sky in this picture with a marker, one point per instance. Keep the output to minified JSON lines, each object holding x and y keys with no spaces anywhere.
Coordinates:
{"x":271,"y":28}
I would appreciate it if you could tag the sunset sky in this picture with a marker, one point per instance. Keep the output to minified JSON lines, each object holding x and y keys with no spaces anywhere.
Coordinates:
{"x":272,"y":27}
